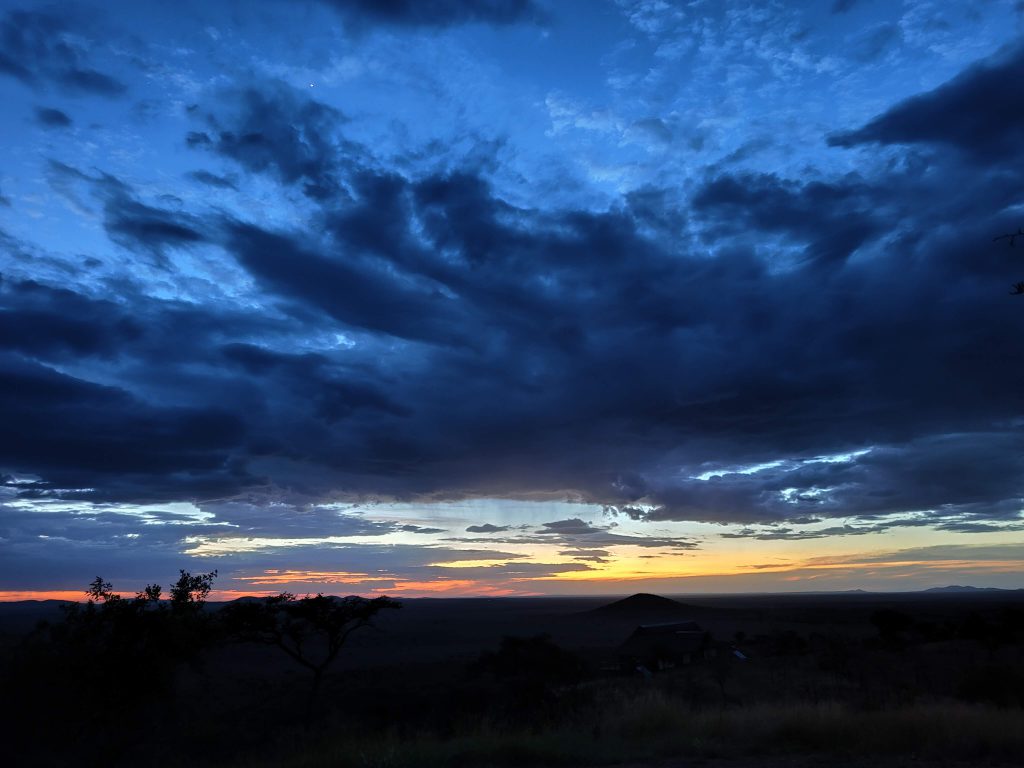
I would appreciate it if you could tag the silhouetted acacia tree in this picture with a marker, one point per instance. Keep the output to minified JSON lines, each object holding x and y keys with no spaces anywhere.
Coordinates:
{"x":311,"y":630}
{"x":190,"y":591}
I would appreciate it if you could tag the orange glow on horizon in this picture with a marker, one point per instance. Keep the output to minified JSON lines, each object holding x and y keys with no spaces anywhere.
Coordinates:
{"x":743,"y":570}
{"x":72,"y":595}
{"x":376,"y":584}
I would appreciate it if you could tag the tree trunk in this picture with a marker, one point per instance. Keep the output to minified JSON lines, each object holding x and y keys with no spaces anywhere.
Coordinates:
{"x":314,"y":690}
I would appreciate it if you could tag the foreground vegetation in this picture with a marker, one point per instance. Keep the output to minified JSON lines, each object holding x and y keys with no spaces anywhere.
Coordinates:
{"x":651,"y":726}
{"x":172,"y":683}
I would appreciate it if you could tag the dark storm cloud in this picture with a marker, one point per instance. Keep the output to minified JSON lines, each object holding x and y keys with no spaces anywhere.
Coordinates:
{"x":128,"y":221}
{"x":360,"y":296}
{"x":434,"y":13}
{"x":53,"y":323}
{"x":491,"y":350}
{"x":834,"y":219}
{"x":274,"y":130}
{"x":213,"y":180}
{"x":52,"y":118}
{"x":118,"y":441}
{"x":975,"y":112}
{"x":38,"y":48}
{"x":720,"y":356}
{"x":951,"y":480}
{"x":138,"y":226}
{"x":310,"y":376}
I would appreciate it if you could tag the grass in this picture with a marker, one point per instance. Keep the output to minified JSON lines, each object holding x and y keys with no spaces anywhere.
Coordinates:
{"x":651,"y":726}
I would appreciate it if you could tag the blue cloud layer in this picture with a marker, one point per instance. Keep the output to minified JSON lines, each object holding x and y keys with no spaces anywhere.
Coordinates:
{"x":301,"y":304}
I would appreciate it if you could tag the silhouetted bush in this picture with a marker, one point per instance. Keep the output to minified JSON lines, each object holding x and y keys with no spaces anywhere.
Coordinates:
{"x":107,"y":668}
{"x":891,"y":625}
{"x":999,"y":684}
{"x":529,"y":675}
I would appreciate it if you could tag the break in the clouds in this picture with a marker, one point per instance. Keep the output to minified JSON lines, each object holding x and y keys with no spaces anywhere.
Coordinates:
{"x":503,"y":296}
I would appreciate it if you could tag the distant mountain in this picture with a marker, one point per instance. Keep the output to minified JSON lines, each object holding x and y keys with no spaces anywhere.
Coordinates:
{"x":956,"y":588}
{"x":643,"y":605}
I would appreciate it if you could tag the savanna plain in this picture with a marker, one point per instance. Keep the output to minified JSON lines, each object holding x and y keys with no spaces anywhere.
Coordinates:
{"x":851,"y":679}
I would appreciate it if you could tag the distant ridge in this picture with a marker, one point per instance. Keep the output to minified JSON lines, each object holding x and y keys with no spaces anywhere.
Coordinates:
{"x":643,"y":604}
{"x":956,"y":588}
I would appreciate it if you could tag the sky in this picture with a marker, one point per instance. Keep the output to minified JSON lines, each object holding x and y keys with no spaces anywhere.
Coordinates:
{"x":511,"y":297}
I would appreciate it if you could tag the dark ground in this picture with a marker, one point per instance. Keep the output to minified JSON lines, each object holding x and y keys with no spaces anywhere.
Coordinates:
{"x":411,"y":678}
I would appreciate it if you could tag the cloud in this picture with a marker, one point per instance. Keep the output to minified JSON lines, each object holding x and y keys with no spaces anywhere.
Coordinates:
{"x":520,"y":571}
{"x":434,"y":13}
{"x":1013,"y":551}
{"x":620,"y":334}
{"x":363,"y":347}
{"x":52,"y":118}
{"x":588,"y":555}
{"x":843,"y":6}
{"x":213,"y":180}
{"x":571,"y":527}
{"x":972,"y":113}
{"x":333,"y":309}
{"x":36,"y":47}
{"x":949,"y":481}
{"x":280,"y":132}
{"x":119,"y":442}
{"x":833,"y":219}
{"x":279,"y":519}
{"x":361,"y":296}
{"x":129,"y":222}
{"x":420,"y":529}
{"x":586,"y":537}
{"x":50,"y":323}
{"x":869,"y":44}
{"x":488,"y":528}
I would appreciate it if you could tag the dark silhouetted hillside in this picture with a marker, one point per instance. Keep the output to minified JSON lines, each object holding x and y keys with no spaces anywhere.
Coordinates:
{"x":644,"y":605}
